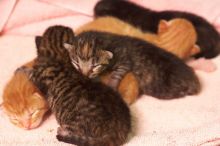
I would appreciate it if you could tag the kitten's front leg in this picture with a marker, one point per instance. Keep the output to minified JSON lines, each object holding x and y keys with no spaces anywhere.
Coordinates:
{"x":117,"y":74}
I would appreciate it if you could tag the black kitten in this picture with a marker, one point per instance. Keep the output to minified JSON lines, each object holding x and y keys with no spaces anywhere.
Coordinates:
{"x":89,"y":113}
{"x":148,"y":20}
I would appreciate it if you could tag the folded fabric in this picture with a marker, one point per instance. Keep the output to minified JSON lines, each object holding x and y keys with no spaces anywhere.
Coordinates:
{"x":19,"y":15}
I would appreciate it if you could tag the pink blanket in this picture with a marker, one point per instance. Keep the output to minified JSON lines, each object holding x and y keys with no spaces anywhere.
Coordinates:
{"x":190,"y":121}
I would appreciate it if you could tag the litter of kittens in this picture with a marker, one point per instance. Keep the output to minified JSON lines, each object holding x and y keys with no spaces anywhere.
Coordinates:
{"x":191,"y":120}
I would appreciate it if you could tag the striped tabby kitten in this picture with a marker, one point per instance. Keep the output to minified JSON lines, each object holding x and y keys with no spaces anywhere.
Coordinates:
{"x":159,"y":73}
{"x":89,"y":113}
{"x":128,"y":87}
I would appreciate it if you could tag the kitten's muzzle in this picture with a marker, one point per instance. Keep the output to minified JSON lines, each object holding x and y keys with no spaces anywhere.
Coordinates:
{"x":86,"y":72}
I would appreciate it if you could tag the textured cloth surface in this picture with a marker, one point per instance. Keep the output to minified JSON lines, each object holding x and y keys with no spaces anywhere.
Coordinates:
{"x":189,"y":121}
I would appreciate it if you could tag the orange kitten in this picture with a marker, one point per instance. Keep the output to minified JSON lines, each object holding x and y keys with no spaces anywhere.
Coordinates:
{"x":22,"y":102}
{"x":177,"y":36}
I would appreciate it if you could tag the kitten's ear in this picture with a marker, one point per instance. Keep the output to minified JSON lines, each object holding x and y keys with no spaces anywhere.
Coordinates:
{"x":68,"y":46}
{"x":163,"y":26}
{"x":109,"y":54}
{"x":38,"y":41}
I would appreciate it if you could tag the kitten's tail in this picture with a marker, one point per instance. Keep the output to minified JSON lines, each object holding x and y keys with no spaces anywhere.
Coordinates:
{"x":90,"y":141}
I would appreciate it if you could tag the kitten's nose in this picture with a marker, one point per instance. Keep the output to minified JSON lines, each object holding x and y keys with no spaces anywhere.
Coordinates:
{"x":27,"y":124}
{"x":86,"y":72}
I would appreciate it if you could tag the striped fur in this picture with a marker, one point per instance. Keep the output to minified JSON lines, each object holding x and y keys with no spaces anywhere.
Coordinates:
{"x":89,"y":113}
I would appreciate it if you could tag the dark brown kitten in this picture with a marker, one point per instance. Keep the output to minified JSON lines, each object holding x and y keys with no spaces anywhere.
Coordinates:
{"x":148,"y":20}
{"x":159,"y":73}
{"x":89,"y":113}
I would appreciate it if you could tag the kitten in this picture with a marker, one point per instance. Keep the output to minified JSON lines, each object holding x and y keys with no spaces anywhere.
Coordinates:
{"x":159,"y":73}
{"x":89,"y":112}
{"x":23,"y":102}
{"x":148,"y":20}
{"x":128,"y":87}
{"x":177,"y":36}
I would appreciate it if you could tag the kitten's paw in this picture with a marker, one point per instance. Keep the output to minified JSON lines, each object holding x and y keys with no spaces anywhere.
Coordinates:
{"x":113,"y":84}
{"x":65,"y":135}
{"x":202,"y":64}
{"x":62,"y":131}
{"x":67,"y":139}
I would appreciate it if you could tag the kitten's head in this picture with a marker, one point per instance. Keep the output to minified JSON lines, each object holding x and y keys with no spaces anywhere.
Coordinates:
{"x":88,"y":57}
{"x":23,"y":103}
{"x":178,"y":36}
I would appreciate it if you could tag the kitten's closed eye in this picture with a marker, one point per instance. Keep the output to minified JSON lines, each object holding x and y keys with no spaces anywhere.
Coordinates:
{"x":95,"y":67}
{"x":33,"y":114}
{"x":75,"y":64}
{"x":29,"y":120}
{"x":14,"y":120}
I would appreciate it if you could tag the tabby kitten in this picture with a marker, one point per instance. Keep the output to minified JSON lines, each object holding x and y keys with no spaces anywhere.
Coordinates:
{"x":148,"y":20}
{"x":89,"y":113}
{"x":159,"y":73}
{"x":177,"y":36}
{"x":23,"y":102}
{"x":128,"y":86}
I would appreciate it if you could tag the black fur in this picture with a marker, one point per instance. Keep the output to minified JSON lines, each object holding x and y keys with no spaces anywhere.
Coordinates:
{"x":147,"y":20}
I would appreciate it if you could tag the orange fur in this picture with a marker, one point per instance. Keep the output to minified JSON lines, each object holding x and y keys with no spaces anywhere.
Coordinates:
{"x":128,"y":87}
{"x":178,"y":36}
{"x":23,"y":102}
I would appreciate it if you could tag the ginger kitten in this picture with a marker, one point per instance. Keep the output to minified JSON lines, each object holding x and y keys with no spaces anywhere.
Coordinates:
{"x":23,"y":102}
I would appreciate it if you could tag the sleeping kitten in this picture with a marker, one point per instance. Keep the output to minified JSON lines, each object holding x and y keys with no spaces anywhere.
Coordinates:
{"x":177,"y":36}
{"x":148,"y":20}
{"x":89,"y":113}
{"x":128,"y":86}
{"x":159,"y":73}
{"x":23,"y":102}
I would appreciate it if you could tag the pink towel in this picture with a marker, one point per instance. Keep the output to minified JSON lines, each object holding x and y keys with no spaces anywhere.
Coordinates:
{"x":189,"y":121}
